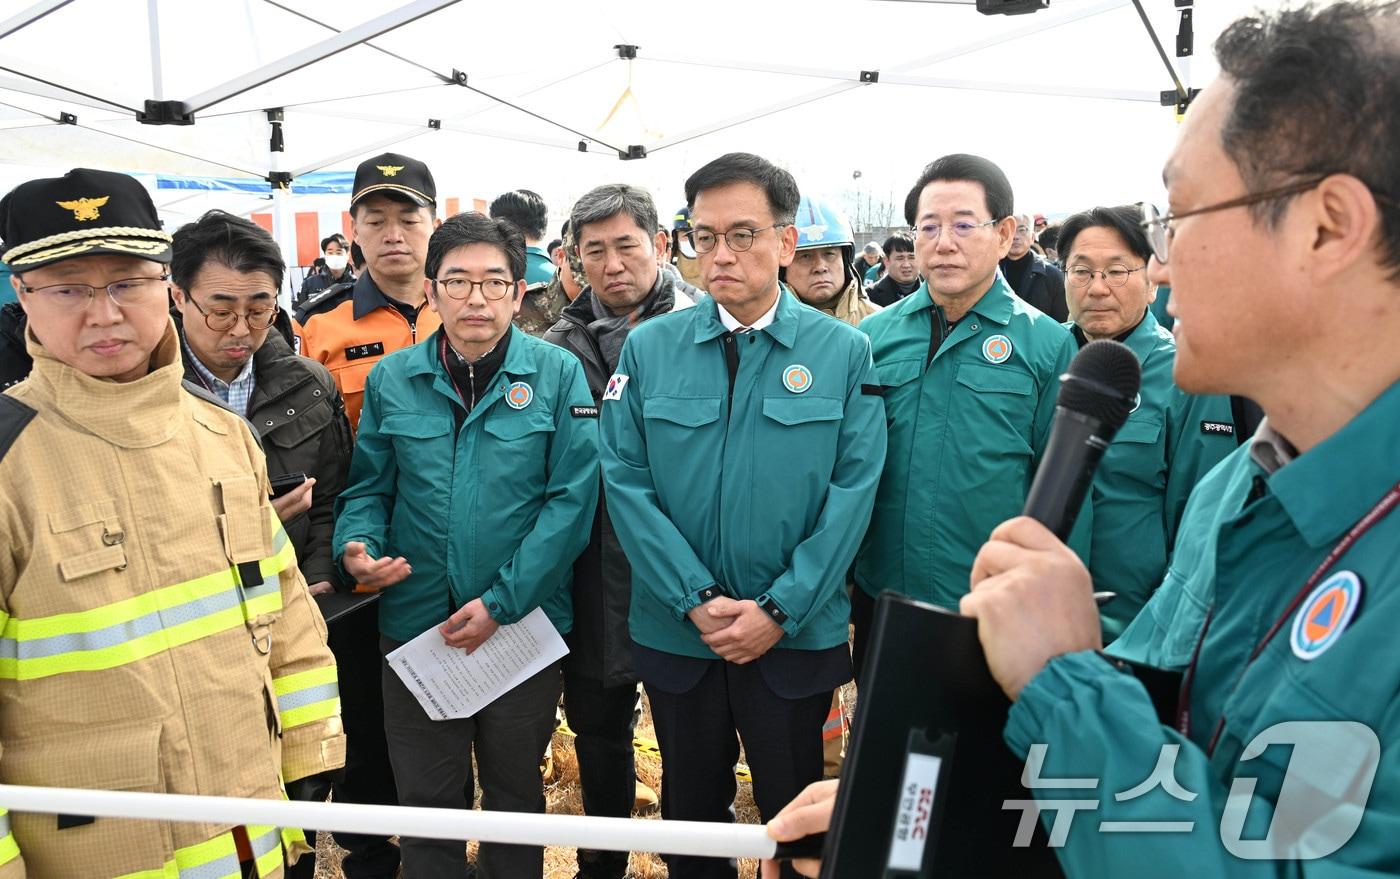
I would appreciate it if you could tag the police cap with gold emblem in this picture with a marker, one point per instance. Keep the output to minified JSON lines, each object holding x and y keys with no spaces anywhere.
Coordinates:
{"x":83,"y":213}
{"x":395,"y":175}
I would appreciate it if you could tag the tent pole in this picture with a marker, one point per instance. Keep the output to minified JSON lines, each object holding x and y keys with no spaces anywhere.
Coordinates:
{"x":30,"y":15}
{"x":311,"y":54}
{"x":153,"y":19}
{"x":284,"y":221}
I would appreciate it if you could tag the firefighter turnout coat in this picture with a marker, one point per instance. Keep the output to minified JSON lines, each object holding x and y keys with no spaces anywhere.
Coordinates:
{"x":156,"y":633}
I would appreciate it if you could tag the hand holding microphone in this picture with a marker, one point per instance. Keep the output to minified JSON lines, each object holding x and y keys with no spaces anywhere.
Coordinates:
{"x":1031,"y":595}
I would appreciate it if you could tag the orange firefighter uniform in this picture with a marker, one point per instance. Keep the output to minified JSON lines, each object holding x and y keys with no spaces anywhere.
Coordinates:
{"x":351,"y":329}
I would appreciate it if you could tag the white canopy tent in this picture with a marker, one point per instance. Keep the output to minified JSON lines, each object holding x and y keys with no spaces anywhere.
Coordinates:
{"x":500,"y":96}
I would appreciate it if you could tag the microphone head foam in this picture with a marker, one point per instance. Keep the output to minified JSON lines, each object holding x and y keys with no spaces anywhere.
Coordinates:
{"x":1102,"y":383}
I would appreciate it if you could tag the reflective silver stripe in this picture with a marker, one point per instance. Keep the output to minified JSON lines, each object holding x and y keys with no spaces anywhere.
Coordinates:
{"x":120,"y":633}
{"x":4,"y":823}
{"x":219,"y":868}
{"x":264,"y":844}
{"x":309,"y":696}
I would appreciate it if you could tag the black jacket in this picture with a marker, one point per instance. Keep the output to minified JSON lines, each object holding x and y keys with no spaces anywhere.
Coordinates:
{"x":600,"y":645}
{"x":886,"y":292}
{"x":14,"y":359}
{"x":300,"y":418}
{"x":321,"y":280}
{"x":1043,"y":285}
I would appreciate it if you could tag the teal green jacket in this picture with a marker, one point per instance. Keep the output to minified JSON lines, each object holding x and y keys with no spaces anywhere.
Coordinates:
{"x":539,"y":268}
{"x":1168,"y":443}
{"x":498,"y":509}
{"x":765,"y":496}
{"x":1248,"y":542}
{"x":965,"y":434}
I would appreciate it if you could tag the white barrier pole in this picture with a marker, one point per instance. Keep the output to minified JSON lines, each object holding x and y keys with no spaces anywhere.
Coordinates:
{"x":702,"y":839}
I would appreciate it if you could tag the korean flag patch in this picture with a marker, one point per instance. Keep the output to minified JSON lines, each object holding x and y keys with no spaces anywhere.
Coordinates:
{"x":615,"y":386}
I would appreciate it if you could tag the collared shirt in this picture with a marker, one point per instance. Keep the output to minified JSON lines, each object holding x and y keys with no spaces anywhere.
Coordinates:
{"x":1270,"y":450}
{"x":235,"y":393}
{"x":967,"y":427}
{"x":731,"y":323}
{"x":1246,"y":551}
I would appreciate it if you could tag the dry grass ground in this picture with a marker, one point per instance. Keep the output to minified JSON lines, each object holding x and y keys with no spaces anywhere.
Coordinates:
{"x":562,"y":797}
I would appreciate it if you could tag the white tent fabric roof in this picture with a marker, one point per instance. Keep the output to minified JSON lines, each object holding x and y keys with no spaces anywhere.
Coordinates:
{"x":1064,"y":100}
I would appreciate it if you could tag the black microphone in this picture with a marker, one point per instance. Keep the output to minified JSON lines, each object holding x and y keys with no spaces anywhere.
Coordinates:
{"x":1096,"y":396}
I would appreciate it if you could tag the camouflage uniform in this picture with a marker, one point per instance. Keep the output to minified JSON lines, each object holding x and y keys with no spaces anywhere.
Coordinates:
{"x":541,"y":308}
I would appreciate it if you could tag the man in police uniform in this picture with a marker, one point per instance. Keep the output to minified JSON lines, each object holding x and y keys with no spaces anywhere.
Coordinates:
{"x":820,"y":273}
{"x":393,"y":210}
{"x":739,"y":610}
{"x":1171,"y":438}
{"x":970,"y":375}
{"x":158,"y":635}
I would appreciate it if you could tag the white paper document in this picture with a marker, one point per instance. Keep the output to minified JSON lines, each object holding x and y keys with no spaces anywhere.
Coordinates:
{"x":449,"y":683}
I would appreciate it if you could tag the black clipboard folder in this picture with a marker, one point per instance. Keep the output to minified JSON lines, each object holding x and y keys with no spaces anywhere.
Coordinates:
{"x":927,"y":772}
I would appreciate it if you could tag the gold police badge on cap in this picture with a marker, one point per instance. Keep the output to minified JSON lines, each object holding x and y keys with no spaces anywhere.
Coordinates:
{"x":84,"y":208}
{"x":389,"y":170}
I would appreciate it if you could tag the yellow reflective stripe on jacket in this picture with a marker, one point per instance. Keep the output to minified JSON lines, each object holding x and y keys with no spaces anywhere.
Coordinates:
{"x":307,"y":696}
{"x":134,"y":628}
{"x":267,"y":848}
{"x":9,"y":849}
{"x":266,"y":597}
{"x":217,"y":858}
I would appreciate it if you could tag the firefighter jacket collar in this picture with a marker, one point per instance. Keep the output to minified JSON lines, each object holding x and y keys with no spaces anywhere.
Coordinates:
{"x":783,"y":329}
{"x":996,"y":305}
{"x":367,"y":296}
{"x":132,"y":415}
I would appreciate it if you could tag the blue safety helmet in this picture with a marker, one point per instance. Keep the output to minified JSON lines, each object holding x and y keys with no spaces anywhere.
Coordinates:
{"x":821,"y":224}
{"x":680,"y":225}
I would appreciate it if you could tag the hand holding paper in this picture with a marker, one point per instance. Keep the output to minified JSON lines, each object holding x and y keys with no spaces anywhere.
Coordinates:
{"x":450,"y":682}
{"x":469,"y":627}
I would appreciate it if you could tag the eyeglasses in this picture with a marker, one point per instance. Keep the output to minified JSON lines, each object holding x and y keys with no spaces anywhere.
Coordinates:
{"x":460,"y":288}
{"x":962,"y":229}
{"x":737,"y":240}
{"x":221,"y":320}
{"x":1113,"y":276}
{"x":1158,"y":225}
{"x":125,"y":293}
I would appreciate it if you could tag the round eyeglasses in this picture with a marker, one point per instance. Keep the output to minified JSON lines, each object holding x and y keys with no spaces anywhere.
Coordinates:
{"x":460,"y":288}
{"x":1113,"y":276}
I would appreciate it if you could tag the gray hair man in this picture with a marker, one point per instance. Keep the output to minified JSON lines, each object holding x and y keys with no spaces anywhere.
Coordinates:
{"x":615,"y":231}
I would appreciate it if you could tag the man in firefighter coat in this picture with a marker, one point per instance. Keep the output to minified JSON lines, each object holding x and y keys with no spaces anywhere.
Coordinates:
{"x":155,"y":633}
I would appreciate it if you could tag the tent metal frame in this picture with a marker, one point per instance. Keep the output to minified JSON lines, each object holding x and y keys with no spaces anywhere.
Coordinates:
{"x":161,"y":111}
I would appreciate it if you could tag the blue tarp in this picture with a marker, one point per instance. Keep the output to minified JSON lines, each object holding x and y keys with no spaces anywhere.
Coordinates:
{"x":315,"y":183}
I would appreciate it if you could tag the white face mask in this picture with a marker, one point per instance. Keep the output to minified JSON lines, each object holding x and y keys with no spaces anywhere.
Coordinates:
{"x":337,"y":262}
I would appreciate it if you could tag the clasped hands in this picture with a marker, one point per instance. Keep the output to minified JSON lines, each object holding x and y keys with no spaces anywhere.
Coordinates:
{"x":737,"y":631}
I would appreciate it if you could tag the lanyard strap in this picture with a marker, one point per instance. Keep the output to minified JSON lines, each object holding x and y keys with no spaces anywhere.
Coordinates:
{"x":1368,"y":521}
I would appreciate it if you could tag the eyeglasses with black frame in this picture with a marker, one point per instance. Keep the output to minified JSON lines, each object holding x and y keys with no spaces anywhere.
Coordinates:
{"x":737,"y":240}
{"x":125,"y":293}
{"x":493,"y":289}
{"x":962,"y":229}
{"x":1159,"y":229}
{"x":1113,"y":276}
{"x":221,"y":320}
